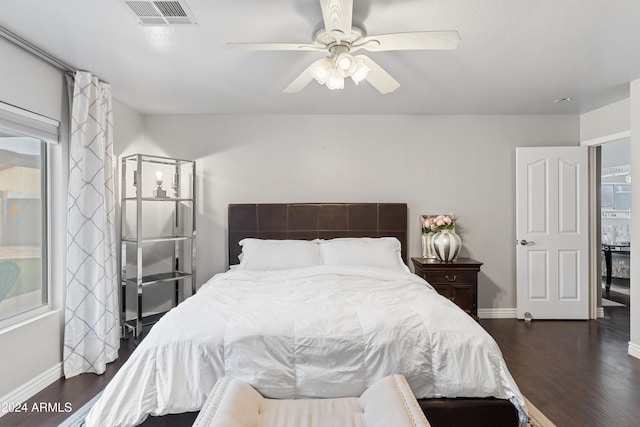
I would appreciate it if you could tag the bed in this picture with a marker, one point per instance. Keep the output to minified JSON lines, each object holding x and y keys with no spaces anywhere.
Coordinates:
{"x":317,"y":308}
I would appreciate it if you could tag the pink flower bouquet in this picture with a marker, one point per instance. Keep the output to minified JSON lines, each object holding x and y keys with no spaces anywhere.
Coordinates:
{"x":435,"y":223}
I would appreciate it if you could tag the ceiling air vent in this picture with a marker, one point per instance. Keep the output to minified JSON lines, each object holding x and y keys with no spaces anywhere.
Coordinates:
{"x":162,"y":12}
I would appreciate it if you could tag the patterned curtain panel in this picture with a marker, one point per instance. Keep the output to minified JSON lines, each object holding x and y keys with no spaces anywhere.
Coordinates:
{"x":92,"y":325}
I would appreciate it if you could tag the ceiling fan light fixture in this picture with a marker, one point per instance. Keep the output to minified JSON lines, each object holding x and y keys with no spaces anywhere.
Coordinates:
{"x":321,"y":69}
{"x":345,"y":62}
{"x":332,"y":70}
{"x":361,"y":71}
{"x":335,"y":81}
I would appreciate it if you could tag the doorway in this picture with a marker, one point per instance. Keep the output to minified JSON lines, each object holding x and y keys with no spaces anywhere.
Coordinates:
{"x":615,"y":233}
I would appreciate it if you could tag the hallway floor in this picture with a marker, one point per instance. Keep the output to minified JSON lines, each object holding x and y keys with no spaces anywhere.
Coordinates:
{"x":616,"y":306}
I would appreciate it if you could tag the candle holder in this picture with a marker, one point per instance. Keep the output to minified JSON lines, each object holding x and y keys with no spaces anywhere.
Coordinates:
{"x":175,"y":184}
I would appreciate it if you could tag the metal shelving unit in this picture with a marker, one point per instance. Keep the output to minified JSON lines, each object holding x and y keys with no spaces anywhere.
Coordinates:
{"x":158,"y":234}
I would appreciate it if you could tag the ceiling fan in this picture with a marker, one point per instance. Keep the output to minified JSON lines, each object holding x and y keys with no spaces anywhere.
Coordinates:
{"x":340,"y":39}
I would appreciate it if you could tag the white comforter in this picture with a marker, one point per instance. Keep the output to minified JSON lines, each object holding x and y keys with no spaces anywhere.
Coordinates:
{"x":314,"y":332}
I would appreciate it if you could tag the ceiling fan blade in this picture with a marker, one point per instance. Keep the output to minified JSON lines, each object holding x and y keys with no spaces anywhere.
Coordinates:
{"x":301,"y":81}
{"x":418,"y":40}
{"x":337,"y":16}
{"x":378,"y":77}
{"x":276,"y":46}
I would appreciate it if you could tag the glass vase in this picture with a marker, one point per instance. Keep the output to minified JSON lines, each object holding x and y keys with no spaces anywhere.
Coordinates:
{"x":427,"y":245}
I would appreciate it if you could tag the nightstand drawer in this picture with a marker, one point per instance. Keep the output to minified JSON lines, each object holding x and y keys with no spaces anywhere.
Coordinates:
{"x":463,"y":295}
{"x":450,"y":278}
{"x":456,"y":280}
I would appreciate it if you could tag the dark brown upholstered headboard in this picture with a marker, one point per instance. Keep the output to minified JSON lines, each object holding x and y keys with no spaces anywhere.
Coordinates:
{"x":308,"y":221}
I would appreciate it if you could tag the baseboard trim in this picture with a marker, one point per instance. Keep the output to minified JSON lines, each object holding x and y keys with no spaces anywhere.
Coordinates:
{"x":32,"y":387}
{"x":599,"y":313}
{"x":634,"y":350}
{"x":497,"y":313}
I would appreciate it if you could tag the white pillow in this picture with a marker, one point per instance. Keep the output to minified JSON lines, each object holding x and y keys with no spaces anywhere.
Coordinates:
{"x":268,"y":255}
{"x":379,"y":252}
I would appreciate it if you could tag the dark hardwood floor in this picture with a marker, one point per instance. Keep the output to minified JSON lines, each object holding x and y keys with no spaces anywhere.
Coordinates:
{"x":75,"y":391}
{"x":578,"y":373}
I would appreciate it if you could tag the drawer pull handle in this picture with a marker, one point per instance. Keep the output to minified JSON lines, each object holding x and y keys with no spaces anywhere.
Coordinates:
{"x":449,"y":278}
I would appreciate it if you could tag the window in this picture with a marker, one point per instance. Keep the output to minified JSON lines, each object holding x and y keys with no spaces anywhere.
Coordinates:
{"x":23,"y":284}
{"x":23,"y":212}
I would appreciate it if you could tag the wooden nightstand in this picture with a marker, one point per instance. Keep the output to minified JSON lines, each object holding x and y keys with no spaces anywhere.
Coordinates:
{"x":456,"y":280}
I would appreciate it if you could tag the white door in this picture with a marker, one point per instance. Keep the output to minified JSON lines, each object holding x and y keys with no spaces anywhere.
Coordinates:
{"x":552,"y":232}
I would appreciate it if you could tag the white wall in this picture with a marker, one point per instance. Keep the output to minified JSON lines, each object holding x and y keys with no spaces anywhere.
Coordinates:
{"x":459,"y":164}
{"x":31,"y":351}
{"x":608,"y":120}
{"x":128,"y":130}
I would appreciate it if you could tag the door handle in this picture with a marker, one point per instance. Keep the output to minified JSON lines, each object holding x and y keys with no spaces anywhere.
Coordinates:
{"x":526,"y":243}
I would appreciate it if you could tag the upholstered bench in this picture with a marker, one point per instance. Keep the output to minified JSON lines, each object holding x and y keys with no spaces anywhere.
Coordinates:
{"x":387,"y":403}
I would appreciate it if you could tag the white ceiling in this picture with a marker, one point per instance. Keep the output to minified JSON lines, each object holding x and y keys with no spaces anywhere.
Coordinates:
{"x":515,"y":57}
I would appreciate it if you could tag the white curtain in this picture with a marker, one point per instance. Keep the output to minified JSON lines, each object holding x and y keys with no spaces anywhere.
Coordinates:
{"x":92,"y":325}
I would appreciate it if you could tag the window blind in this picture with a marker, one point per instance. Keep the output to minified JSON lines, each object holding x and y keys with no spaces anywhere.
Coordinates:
{"x":16,"y":120}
